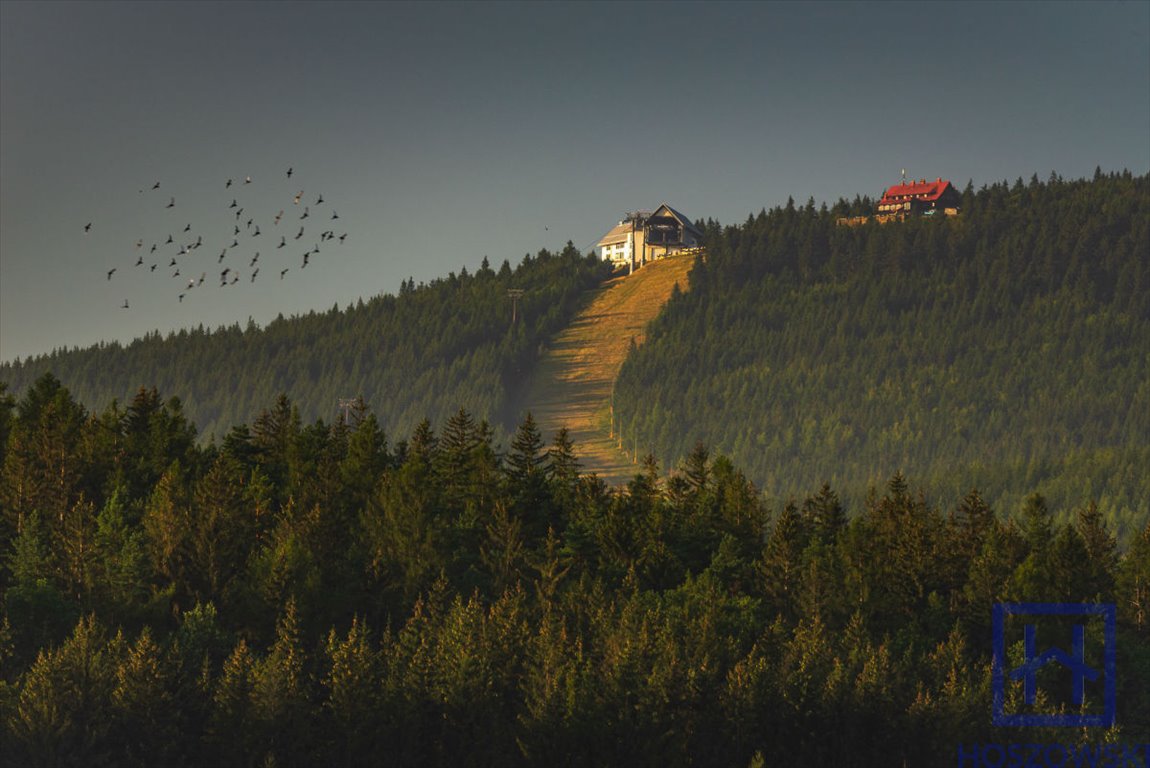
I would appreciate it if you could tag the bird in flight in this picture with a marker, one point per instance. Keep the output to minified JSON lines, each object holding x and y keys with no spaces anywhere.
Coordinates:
{"x":88,"y":227}
{"x":139,"y":261}
{"x":169,"y":242}
{"x":124,"y":305}
{"x":334,"y":215}
{"x":279,"y":216}
{"x":283,"y":272}
{"x":173,"y":263}
{"x":182,"y":295}
{"x":254,"y":259}
{"x":282,"y":239}
{"x":234,"y":203}
{"x":300,"y":234}
{"x":305,"y":212}
{"x":298,"y":196}
{"x":255,"y":273}
{"x":289,"y":170}
{"x":247,"y":180}
{"x":188,"y":228}
{"x":229,"y":184}
{"x":171,"y":203}
{"x":156,"y":185}
{"x":223,"y":253}
{"x":342,"y":237}
{"x":319,"y":200}
{"x":153,"y":268}
{"x":111,"y":272}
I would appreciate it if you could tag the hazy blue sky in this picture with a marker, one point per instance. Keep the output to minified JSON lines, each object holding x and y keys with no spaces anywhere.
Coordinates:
{"x":445,"y":132}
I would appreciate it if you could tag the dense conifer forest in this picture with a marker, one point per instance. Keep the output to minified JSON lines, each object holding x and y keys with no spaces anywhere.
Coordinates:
{"x":303,"y":594}
{"x":1004,"y":349}
{"x":421,"y":354}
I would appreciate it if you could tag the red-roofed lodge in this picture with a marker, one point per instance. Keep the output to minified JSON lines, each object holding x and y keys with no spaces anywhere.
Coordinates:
{"x":921,"y":197}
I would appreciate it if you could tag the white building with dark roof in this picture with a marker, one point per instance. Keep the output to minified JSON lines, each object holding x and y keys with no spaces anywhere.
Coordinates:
{"x":648,"y":235}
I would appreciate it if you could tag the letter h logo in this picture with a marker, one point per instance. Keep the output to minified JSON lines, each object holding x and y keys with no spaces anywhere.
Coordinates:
{"x":1074,"y":661}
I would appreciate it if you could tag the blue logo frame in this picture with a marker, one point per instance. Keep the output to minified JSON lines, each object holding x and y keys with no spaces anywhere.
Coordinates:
{"x":1074,"y":661}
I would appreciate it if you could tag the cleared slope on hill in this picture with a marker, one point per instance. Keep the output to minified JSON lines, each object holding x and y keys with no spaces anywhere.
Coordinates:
{"x":571,"y":385}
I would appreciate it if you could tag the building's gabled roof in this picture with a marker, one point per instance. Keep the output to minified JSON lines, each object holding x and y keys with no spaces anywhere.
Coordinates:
{"x":921,"y":190}
{"x":666,"y":210}
{"x":618,"y":234}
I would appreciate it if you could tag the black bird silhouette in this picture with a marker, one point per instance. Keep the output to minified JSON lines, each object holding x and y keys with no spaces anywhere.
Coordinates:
{"x":279,"y":216}
{"x":176,"y":273}
{"x":110,"y":271}
{"x":237,"y":230}
{"x":254,"y":234}
{"x":305,"y":212}
{"x":182,"y":295}
{"x":153,"y":248}
{"x":153,"y":268}
{"x":171,"y":203}
{"x":254,"y":259}
{"x":298,"y":236}
{"x":239,"y":213}
{"x":282,"y":239}
{"x":169,"y":242}
{"x":234,"y":203}
{"x":223,"y":253}
{"x":342,"y":237}
{"x":289,"y":173}
{"x":139,"y":244}
{"x":228,"y":184}
{"x":236,"y":279}
{"x":283,"y":272}
{"x":319,"y":200}
{"x":139,"y":261}
{"x":88,"y":226}
{"x":192,"y":283}
{"x":125,"y":305}
{"x":156,"y":185}
{"x":255,"y":273}
{"x":173,"y":263}
{"x":199,"y":241}
{"x":298,"y":196}
{"x":305,"y":259}
{"x":247,"y":180}
{"x":235,"y":244}
{"x":188,"y":228}
{"x":224,"y":274}
{"x":334,"y":215}
{"x":203,"y":277}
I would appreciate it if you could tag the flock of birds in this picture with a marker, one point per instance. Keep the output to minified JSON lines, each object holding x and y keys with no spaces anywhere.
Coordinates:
{"x":178,"y":245}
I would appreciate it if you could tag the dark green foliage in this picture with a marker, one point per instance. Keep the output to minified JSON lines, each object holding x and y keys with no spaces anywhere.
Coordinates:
{"x":420,"y":354}
{"x":1003,"y":349}
{"x":303,"y":596}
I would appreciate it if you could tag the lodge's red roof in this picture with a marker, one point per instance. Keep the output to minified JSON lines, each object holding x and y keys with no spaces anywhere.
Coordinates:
{"x":925,"y":190}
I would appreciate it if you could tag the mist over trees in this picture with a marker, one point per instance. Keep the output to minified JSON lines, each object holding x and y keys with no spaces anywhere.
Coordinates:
{"x":1003,"y":349}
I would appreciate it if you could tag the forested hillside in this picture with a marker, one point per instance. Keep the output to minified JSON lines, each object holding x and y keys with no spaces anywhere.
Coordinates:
{"x":422,"y":354}
{"x":1006,"y":349}
{"x":309,"y":594}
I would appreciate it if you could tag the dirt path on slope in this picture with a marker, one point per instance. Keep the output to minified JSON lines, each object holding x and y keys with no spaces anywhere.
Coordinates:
{"x":572,"y":383}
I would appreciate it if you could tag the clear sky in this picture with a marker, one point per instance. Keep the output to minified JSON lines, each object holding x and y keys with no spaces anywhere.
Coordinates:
{"x":442,"y":133}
